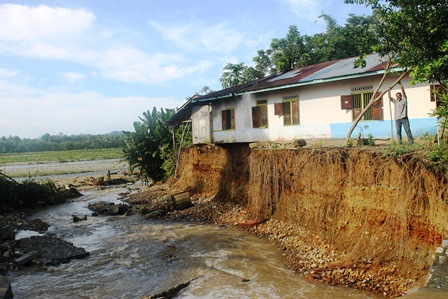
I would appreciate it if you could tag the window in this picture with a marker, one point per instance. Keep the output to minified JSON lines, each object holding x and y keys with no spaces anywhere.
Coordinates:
{"x":357,"y":102}
{"x":435,"y":91}
{"x":289,"y":108}
{"x":228,"y":119}
{"x":260,"y":114}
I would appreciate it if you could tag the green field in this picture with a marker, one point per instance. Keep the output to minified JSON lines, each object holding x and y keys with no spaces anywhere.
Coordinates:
{"x":61,"y":156}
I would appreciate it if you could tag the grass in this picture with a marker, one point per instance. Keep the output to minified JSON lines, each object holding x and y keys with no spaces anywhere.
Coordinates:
{"x":61,"y":156}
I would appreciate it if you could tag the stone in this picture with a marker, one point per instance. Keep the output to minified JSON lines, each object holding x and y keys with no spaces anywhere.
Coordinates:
{"x":5,"y":288}
{"x":445,"y":243}
{"x":110,"y":209}
{"x":52,"y":250}
{"x":442,"y":260}
{"x":7,"y":233}
{"x":439,"y":250}
{"x":299,"y":143}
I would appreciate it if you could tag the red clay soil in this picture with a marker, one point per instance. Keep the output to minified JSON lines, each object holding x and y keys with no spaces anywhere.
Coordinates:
{"x":343,"y":216}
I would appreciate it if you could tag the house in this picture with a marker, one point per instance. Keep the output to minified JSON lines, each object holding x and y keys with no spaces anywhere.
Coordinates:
{"x":314,"y":102}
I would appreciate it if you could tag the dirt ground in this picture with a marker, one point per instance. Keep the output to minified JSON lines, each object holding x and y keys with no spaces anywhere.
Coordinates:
{"x":342,"y":216}
{"x":82,"y":175}
{"x":347,"y":217}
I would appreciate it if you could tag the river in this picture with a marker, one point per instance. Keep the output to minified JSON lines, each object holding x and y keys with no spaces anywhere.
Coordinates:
{"x":132,"y":257}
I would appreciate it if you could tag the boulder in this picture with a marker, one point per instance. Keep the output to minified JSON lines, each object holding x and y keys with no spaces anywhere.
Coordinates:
{"x":5,"y":288}
{"x":110,"y":209}
{"x":51,"y":249}
{"x":7,"y":232}
{"x":299,"y":143}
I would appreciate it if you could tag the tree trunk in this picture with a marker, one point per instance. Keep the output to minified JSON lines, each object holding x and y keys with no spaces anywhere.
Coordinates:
{"x":182,"y":201}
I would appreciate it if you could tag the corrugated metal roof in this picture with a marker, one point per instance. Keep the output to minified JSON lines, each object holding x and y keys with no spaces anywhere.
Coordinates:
{"x":312,"y":74}
{"x":337,"y":69}
{"x":228,"y":92}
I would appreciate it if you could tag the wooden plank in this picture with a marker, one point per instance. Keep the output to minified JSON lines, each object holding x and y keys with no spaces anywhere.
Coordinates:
{"x":26,"y":257}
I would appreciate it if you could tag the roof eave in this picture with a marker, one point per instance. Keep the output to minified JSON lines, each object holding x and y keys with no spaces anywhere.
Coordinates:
{"x":318,"y":81}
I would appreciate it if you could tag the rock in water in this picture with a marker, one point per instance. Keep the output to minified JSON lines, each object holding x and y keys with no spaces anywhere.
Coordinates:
{"x":5,"y":288}
{"x":52,"y":250}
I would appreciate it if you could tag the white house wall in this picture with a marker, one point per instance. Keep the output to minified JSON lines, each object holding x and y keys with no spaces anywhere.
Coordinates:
{"x":321,"y":115}
{"x":201,"y":124}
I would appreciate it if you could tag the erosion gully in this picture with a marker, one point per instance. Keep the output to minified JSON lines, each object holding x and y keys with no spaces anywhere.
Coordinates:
{"x":133,"y":257}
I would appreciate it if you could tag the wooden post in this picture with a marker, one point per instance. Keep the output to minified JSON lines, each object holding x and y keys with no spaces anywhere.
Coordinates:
{"x":182,"y":201}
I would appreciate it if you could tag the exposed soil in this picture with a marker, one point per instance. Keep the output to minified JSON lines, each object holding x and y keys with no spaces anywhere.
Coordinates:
{"x":342,"y":216}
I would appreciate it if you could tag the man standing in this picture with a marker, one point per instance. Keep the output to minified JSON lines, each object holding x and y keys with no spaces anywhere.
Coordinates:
{"x":401,"y":114}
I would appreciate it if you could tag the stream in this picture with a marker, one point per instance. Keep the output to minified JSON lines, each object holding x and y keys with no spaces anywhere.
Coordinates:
{"x":132,"y":257}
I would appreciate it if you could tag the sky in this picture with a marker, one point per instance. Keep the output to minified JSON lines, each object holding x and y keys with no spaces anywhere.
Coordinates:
{"x":94,"y":66}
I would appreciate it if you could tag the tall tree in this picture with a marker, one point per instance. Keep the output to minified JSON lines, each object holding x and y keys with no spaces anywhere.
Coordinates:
{"x":236,"y":74}
{"x":289,"y":52}
{"x":263,"y":62}
{"x":296,"y":50}
{"x":413,"y":34}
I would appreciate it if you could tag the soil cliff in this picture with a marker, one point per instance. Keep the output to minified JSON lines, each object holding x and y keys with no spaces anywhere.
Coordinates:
{"x":375,"y":220}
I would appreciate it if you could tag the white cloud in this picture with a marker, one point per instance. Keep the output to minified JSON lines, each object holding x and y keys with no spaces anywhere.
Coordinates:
{"x":70,"y":35}
{"x":44,"y":32}
{"x":42,"y":23}
{"x":197,"y":37}
{"x":30,"y":112}
{"x":5,"y":73}
{"x":134,"y":65}
{"x":307,"y":9}
{"x":72,"y":77}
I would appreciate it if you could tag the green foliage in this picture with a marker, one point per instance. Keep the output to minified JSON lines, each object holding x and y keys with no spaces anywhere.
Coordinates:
{"x":236,"y":74}
{"x":370,"y":139}
{"x":441,"y":112}
{"x":61,"y":142}
{"x":414,"y":34}
{"x":296,"y":50}
{"x":151,"y":149}
{"x":350,"y":142}
{"x":61,"y":156}
{"x":396,"y":150}
{"x":31,"y":194}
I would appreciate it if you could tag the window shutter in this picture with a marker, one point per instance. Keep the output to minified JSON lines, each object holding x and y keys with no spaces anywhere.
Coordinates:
{"x":278,"y":108}
{"x":377,"y":107}
{"x":256,"y":116}
{"x":264,"y":115}
{"x":377,"y":112}
{"x":432,"y":94}
{"x":295,"y":112}
{"x":378,"y":103}
{"x":356,"y":112}
{"x":346,"y":102}
{"x":287,"y":113}
{"x":232,"y":118}
{"x":437,"y":88}
{"x":224,"y":119}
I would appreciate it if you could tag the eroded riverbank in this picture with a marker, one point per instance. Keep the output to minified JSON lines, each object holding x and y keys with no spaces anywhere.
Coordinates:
{"x":342,"y":216}
{"x":133,"y":257}
{"x":301,"y":214}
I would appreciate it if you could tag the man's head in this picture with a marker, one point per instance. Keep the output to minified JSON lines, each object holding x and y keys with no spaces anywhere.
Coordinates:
{"x":398,"y":95}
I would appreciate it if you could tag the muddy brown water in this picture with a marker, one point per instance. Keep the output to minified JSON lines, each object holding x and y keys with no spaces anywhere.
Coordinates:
{"x":132,"y":257}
